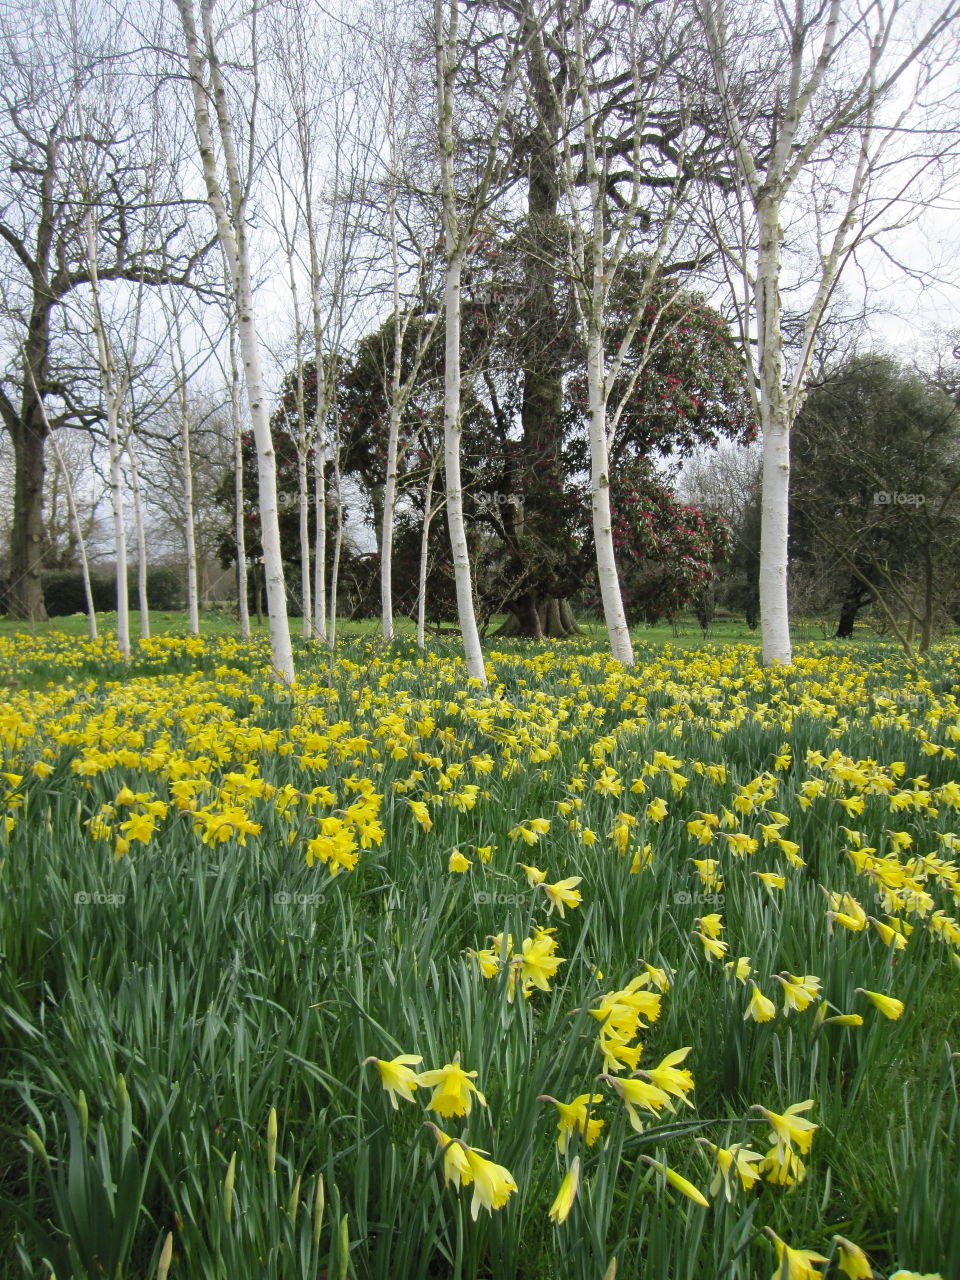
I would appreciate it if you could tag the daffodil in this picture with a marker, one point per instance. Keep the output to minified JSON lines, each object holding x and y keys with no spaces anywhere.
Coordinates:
{"x":853,"y":1261}
{"x":457,"y":862}
{"x":794,"y":1264}
{"x":575,"y":1118}
{"x":396,"y":1076}
{"x":790,"y":1127}
{"x":538,"y":961}
{"x":560,"y":1209}
{"x":760,"y":1008}
{"x":733,"y":1162}
{"x":711,"y":925}
{"x":712,"y":948}
{"x":680,"y":1183}
{"x":453,"y":1089}
{"x":782,"y":1166}
{"x":671,"y":1078}
{"x":707,"y":869}
{"x":889,"y":1006}
{"x":456,"y":1168}
{"x":798,"y":992}
{"x":493,"y":1185}
{"x":739,"y":968}
{"x":563,"y":894}
{"x":771,"y":881}
{"x":638,"y":1093}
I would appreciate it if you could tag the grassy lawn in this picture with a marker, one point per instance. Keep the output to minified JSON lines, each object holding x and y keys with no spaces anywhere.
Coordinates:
{"x":358,"y":979}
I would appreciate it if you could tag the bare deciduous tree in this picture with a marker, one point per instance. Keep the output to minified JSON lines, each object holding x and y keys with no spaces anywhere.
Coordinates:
{"x":833,"y":117}
{"x":227,"y":197}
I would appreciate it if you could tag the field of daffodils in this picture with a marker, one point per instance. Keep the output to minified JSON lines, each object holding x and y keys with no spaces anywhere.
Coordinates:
{"x":591,"y":973}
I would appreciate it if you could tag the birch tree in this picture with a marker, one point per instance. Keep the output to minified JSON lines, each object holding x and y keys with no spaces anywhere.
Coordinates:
{"x":175,"y":338}
{"x":326,"y":113}
{"x":228,"y":200}
{"x":626,"y":198}
{"x":458,"y":228}
{"x":114,"y":388}
{"x":140,"y":529}
{"x":410,"y":240}
{"x":833,"y":117}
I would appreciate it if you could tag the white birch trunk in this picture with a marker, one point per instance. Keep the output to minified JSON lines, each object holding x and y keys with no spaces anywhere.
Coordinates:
{"x":337,"y":544}
{"x":320,"y":547}
{"x":393,"y":433}
{"x":81,"y":542}
{"x":119,"y":531}
{"x":319,"y":426}
{"x":236,"y":418}
{"x":454,"y":254}
{"x":303,"y":449}
{"x":112,"y":396}
{"x":610,"y":594}
{"x":141,"y":535}
{"x":774,"y":419}
{"x":193,"y":595}
{"x":303,"y":503}
{"x":428,"y":514}
{"x":231,"y":229}
{"x":386,"y":536}
{"x":186,"y":472}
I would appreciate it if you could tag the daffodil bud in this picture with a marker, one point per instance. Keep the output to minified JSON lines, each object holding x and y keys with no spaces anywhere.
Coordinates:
{"x":166,"y":1257}
{"x":318,"y":1206}
{"x":344,"y":1259}
{"x":294,"y":1203}
{"x":37,"y":1143}
{"x":228,"y":1182}
{"x":272,"y":1141}
{"x":83,"y":1113}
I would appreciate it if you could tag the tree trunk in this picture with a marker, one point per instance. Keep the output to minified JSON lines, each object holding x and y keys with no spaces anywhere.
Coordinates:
{"x":389,"y":504}
{"x":190,"y":541}
{"x":141,"y":541}
{"x":320,"y":547}
{"x":25,"y":596}
{"x":119,"y":533}
{"x":774,"y":609}
{"x":72,"y":508}
{"x":424,"y":555}
{"x":337,"y":545}
{"x":303,"y":502}
{"x":856,"y":597}
{"x":926,"y":624}
{"x":610,"y":594}
{"x":446,"y":34}
{"x":243,"y":604}
{"x":232,"y":232}
{"x":543,"y":346}
{"x":570,"y":624}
